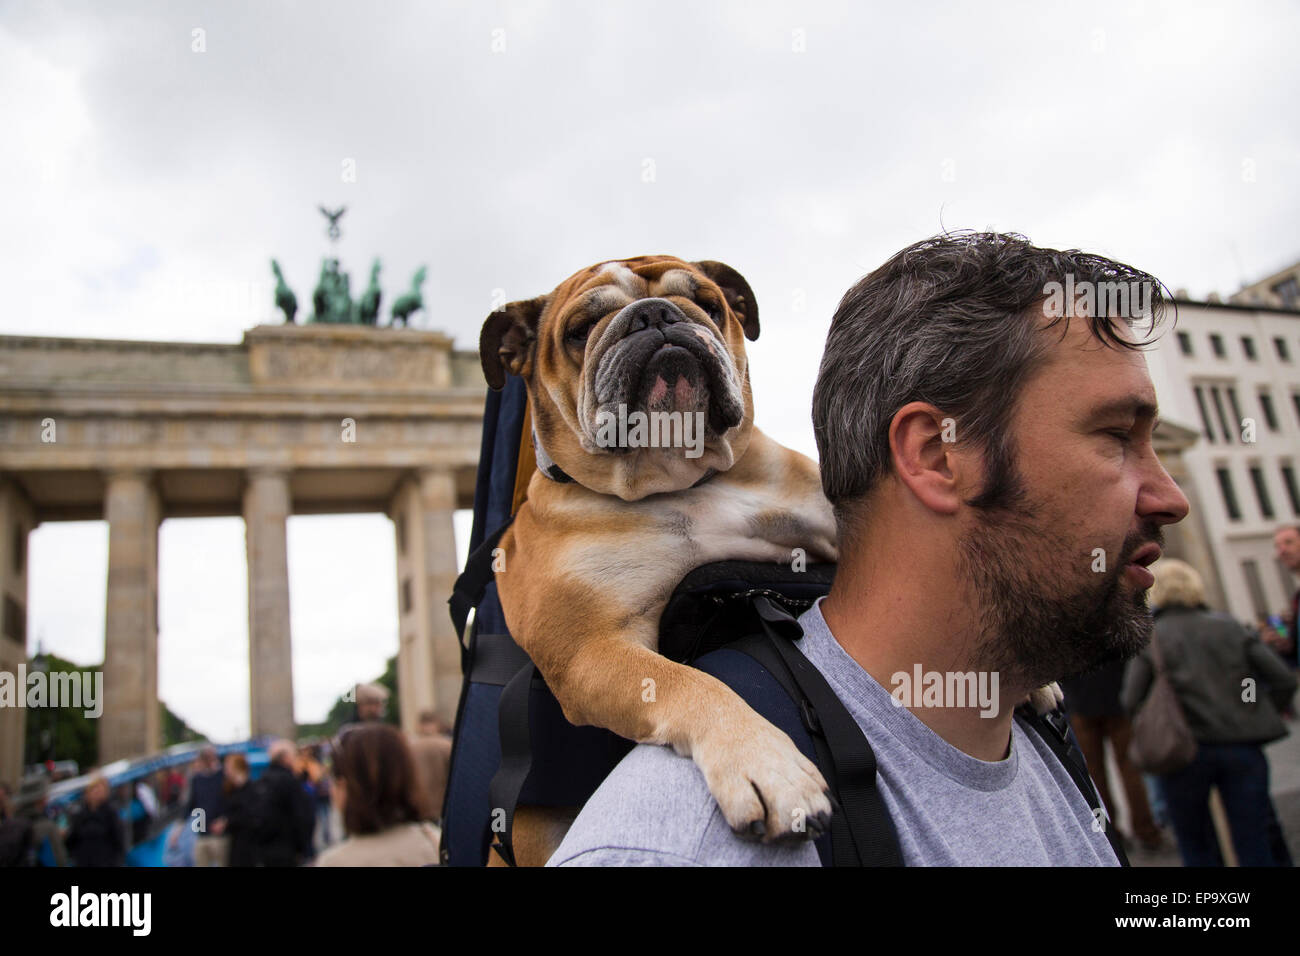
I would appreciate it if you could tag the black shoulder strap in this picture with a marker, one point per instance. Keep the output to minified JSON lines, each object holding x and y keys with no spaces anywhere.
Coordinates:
{"x":1054,"y":728}
{"x":516,"y":759}
{"x":473,"y":581}
{"x":862,"y":833}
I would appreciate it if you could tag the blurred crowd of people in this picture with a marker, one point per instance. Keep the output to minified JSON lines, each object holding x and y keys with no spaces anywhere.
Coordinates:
{"x":1234,"y":684}
{"x":368,"y":797}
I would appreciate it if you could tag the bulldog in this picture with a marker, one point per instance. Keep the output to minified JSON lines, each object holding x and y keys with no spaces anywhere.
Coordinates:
{"x":648,"y":466}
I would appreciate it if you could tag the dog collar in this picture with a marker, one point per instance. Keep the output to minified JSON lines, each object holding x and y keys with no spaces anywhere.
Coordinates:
{"x":547,"y":466}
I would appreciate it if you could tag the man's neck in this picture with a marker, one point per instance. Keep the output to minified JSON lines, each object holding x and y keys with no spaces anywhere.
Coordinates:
{"x":894,"y":618}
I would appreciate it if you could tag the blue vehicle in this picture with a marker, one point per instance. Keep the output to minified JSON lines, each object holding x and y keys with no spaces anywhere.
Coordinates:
{"x":63,"y":799}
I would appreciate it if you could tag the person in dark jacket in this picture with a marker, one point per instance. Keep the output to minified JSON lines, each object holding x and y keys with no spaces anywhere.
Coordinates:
{"x":286,"y":817}
{"x":205,"y":808}
{"x":240,"y":826}
{"x":1096,"y":715}
{"x":1231,"y":688}
{"x":1286,"y":546}
{"x":95,"y":837}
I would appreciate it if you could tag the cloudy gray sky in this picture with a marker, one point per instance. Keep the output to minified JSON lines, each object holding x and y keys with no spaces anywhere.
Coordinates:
{"x":145,"y":184}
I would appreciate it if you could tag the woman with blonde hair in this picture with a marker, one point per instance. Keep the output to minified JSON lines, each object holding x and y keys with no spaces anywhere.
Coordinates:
{"x":1231,"y":688}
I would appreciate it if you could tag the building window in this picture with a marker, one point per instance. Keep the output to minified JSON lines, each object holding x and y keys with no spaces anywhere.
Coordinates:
{"x":1248,"y":347}
{"x":1295,"y":400}
{"x":406,"y":596}
{"x":1216,"y":343}
{"x":1185,"y":343}
{"x":1270,"y":415}
{"x":1256,"y":587}
{"x":1229,"y":495}
{"x":1288,"y":290}
{"x":1283,"y":353}
{"x":20,"y":549}
{"x":1261,"y":491}
{"x":401,"y":533}
{"x":1236,"y":409}
{"x":1292,"y":489}
{"x":1205,"y":417}
{"x":1218,"y":408}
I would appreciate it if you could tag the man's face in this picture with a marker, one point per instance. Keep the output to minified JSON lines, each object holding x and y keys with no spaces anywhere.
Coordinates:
{"x":1286,"y":544}
{"x":1059,"y":566}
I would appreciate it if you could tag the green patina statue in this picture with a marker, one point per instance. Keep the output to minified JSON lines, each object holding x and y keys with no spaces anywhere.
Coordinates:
{"x":368,"y":309}
{"x":285,"y":300}
{"x":411,"y":302}
{"x":332,"y":298}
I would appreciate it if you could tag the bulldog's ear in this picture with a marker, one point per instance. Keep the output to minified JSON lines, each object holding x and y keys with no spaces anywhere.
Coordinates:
{"x":507,"y":337}
{"x":739,"y":295}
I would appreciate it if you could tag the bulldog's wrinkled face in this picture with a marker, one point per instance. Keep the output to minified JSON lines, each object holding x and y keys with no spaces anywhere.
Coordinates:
{"x":636,"y":371}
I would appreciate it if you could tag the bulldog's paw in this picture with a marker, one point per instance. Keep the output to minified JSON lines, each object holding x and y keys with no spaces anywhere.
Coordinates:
{"x":1047,"y":698}
{"x":766,"y":788}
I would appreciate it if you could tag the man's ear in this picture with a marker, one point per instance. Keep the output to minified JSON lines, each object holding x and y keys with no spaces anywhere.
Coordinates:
{"x":508,"y":336}
{"x":739,"y":295}
{"x":920,"y":442}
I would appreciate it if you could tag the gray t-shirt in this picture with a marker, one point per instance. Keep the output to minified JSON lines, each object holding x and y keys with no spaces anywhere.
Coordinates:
{"x":949,"y":808}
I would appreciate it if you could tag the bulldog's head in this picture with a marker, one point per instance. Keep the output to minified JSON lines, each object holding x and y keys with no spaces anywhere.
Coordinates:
{"x":636,"y":371}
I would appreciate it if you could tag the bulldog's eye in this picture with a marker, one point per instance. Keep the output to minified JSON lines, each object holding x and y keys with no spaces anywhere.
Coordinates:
{"x":577,"y":336}
{"x":713,"y":307}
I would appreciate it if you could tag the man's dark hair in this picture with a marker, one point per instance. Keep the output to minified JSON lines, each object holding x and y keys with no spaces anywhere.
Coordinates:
{"x":382,"y":789}
{"x":947,"y":321}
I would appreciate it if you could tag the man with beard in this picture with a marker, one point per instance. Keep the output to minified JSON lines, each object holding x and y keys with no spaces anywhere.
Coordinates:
{"x":987,"y":446}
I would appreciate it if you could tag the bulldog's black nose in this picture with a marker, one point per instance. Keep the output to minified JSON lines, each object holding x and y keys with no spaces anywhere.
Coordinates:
{"x":645,"y":313}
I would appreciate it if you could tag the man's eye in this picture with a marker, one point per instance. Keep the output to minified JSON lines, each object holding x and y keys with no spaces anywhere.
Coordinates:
{"x":1122,"y":434}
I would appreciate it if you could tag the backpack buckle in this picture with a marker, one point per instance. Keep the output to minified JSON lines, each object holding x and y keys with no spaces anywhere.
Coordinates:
{"x":809,"y":717}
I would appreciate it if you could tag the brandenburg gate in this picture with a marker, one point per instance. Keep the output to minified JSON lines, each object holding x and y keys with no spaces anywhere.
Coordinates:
{"x":296,"y":419}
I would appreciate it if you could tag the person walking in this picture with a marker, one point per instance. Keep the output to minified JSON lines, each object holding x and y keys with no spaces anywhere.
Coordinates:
{"x":1231,"y":688}
{"x":1096,"y":716}
{"x":431,"y":750}
{"x":95,"y":836}
{"x":285,"y":818}
{"x":205,"y":808}
{"x":1286,"y":546}
{"x":240,"y":827}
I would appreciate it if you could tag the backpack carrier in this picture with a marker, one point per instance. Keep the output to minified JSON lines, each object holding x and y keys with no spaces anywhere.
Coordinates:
{"x":735,"y":620}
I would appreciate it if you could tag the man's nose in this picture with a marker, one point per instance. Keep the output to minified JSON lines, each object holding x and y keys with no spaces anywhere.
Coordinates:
{"x":1162,"y":500}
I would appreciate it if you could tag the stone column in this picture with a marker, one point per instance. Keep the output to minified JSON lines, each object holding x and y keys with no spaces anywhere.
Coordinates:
{"x":270,"y":658}
{"x":16,"y":522}
{"x":428,"y":665}
{"x":131,"y":722}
